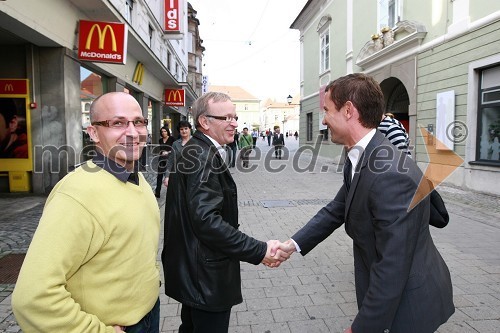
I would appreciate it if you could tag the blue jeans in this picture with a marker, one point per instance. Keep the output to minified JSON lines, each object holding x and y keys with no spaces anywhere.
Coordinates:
{"x":149,"y":324}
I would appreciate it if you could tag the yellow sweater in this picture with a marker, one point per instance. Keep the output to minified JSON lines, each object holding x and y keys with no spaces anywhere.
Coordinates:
{"x":92,"y":261}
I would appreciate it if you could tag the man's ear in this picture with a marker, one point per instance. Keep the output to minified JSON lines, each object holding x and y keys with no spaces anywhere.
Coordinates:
{"x":203,"y":121}
{"x":349,"y":109}
{"x":92,"y":132}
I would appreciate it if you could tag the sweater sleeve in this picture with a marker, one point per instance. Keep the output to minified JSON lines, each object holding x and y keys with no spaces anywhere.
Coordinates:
{"x":67,"y":237}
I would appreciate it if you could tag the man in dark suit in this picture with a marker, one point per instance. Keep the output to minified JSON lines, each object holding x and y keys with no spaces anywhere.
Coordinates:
{"x":278,"y":142}
{"x":202,"y":245}
{"x":402,"y":283}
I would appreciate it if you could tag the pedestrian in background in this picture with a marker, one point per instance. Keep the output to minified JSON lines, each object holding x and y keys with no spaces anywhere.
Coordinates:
{"x":255,"y":135}
{"x":91,"y":266}
{"x":184,"y":129}
{"x":394,"y":130}
{"x":202,"y":245}
{"x":233,"y":149}
{"x":269,"y":137}
{"x":245,"y":144}
{"x":163,"y":150}
{"x":278,"y":142}
{"x":400,"y":276}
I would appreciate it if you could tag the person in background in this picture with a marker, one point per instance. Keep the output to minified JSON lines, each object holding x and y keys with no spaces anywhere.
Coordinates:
{"x":245,"y":144}
{"x":296,"y":135}
{"x":255,"y":135}
{"x":394,"y":130}
{"x":91,"y":266}
{"x":269,"y":137}
{"x":278,"y":142}
{"x":202,"y":244}
{"x":184,"y":129}
{"x":163,"y":150}
{"x":233,"y":149}
{"x":400,"y":276}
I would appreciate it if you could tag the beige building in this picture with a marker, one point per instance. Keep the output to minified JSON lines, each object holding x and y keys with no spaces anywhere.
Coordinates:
{"x":282,"y":114}
{"x":247,"y":106}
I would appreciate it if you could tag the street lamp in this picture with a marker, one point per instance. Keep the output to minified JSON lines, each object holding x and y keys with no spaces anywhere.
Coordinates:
{"x":289,"y":99}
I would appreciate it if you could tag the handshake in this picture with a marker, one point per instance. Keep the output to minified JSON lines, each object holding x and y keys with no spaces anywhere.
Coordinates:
{"x":278,"y":252}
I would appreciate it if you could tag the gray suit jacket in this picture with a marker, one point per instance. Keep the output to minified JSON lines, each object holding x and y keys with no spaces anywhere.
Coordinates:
{"x":402,"y":283}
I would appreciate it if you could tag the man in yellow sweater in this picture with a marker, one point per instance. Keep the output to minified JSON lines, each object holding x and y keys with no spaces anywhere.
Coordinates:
{"x":91,"y":266}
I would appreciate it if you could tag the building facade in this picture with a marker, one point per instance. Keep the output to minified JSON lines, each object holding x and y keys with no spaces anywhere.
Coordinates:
{"x":247,"y":106}
{"x":57,"y":85}
{"x":282,"y":114}
{"x":438,"y":63}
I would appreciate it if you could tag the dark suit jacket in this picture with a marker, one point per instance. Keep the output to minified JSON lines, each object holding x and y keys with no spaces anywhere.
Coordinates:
{"x":402,"y":283}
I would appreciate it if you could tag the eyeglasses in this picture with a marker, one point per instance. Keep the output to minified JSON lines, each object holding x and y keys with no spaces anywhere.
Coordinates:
{"x":121,"y":123}
{"x":225,"y":118}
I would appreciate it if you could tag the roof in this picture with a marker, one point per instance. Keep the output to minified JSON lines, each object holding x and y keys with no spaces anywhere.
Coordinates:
{"x":236,"y":92}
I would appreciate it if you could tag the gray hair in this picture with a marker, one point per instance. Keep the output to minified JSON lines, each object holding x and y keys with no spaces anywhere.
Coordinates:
{"x":200,"y":106}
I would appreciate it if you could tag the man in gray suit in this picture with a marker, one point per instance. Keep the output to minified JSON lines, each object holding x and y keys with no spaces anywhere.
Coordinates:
{"x":402,"y":283}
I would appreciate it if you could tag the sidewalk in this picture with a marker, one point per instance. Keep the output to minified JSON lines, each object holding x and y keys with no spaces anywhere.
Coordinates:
{"x":314,"y":293}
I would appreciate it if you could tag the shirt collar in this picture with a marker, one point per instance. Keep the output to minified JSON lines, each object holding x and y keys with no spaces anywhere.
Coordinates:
{"x":221,"y":149}
{"x":116,"y":169}
{"x":356,"y":151}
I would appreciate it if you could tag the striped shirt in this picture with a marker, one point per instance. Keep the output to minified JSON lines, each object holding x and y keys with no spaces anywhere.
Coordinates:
{"x":396,"y":133}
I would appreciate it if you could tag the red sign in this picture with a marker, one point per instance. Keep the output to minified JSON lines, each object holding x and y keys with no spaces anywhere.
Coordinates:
{"x":175,"y":97}
{"x":13,"y":87}
{"x":172,"y":16}
{"x":102,"y":42}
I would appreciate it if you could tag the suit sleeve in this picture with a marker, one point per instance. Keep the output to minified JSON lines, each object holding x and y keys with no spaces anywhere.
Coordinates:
{"x":322,"y":225}
{"x":396,"y":232}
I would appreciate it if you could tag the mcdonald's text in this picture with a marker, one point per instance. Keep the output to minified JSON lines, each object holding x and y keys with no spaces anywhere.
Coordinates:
{"x":102,"y":42}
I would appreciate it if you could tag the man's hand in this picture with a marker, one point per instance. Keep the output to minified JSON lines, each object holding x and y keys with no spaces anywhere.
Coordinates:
{"x":165,"y":182}
{"x":348,"y":330}
{"x":274,"y":255}
{"x":118,"y":329}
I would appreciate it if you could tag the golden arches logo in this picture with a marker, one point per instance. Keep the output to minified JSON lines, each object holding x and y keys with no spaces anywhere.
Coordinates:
{"x":174,"y":96}
{"x":8,"y":87}
{"x":102,"y":36}
{"x":138,"y":73}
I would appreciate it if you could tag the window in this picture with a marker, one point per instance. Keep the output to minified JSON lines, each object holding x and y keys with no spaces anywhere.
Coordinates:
{"x":388,"y":13}
{"x":169,"y":61}
{"x":489,"y":116}
{"x":309,"y":126}
{"x":91,"y":85}
{"x":324,"y":61}
{"x":129,"y":9}
{"x":151,"y":30}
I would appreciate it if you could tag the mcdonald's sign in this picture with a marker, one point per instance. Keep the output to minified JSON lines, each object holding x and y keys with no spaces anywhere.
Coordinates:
{"x":175,"y":97}
{"x":172,"y":16}
{"x":138,"y":73}
{"x":13,"y":87}
{"x":102,"y":42}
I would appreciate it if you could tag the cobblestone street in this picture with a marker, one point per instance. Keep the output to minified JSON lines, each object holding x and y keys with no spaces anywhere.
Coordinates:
{"x":314,"y":293}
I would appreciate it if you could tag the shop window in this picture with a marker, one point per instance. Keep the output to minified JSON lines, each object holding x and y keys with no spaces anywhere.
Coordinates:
{"x":489,"y":116}
{"x":309,"y":126}
{"x":91,"y":86}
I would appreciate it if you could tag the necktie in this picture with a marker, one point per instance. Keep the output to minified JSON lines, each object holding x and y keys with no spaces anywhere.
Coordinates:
{"x":347,"y":173}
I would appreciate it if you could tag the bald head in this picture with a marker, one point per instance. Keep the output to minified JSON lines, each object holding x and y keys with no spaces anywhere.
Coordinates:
{"x":106,"y":101}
